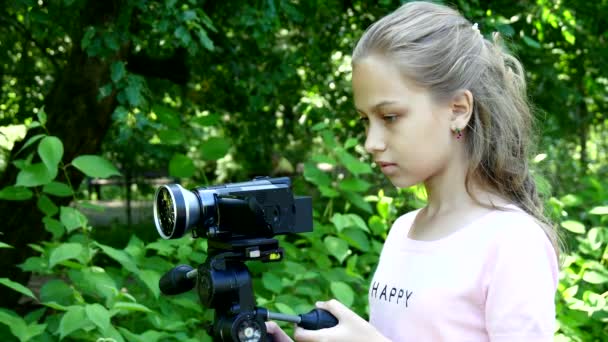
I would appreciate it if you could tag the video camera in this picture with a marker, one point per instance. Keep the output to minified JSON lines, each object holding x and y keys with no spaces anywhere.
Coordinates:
{"x":239,"y":220}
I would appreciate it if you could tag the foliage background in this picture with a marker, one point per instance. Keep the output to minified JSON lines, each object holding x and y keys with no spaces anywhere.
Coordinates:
{"x":209,"y":92}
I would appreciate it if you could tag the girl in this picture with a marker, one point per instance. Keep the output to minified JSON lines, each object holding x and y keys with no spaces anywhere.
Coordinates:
{"x":447,"y":108}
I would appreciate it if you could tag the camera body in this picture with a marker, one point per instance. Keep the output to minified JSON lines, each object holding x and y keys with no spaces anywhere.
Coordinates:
{"x":261,"y":208}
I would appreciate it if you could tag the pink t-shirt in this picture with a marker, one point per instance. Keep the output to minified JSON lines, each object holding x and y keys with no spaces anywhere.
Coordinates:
{"x":493,"y":280}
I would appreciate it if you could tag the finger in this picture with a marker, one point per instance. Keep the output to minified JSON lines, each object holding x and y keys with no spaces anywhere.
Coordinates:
{"x":302,"y":335}
{"x":334,"y":307}
{"x":277,"y":333}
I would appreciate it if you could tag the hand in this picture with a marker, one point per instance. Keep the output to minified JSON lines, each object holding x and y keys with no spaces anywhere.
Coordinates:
{"x":350,"y":327}
{"x":278,"y":335}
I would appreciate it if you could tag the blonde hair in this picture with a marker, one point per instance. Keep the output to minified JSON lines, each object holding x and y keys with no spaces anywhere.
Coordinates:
{"x":438,"y":49}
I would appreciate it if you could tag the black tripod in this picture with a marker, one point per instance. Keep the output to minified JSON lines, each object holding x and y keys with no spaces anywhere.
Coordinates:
{"x":223,"y":283}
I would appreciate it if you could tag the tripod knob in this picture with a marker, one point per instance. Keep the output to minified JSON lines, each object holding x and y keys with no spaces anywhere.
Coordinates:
{"x":317,"y":319}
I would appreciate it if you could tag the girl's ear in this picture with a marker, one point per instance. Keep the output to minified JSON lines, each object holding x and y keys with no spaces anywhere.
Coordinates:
{"x":462,"y":109}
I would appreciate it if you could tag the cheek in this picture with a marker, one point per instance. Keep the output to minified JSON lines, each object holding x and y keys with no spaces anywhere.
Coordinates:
{"x":428,"y":146}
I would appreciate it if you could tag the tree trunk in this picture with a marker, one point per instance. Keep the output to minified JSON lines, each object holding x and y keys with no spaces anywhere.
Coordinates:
{"x":80,"y":121}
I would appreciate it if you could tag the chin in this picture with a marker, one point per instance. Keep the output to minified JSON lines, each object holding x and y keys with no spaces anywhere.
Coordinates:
{"x":403,"y":182}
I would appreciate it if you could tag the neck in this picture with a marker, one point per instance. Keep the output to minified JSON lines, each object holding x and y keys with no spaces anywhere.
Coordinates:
{"x":446,"y":190}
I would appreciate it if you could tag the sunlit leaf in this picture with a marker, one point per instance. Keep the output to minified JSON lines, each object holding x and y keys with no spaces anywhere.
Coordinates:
{"x":95,"y":166}
{"x":65,"y":251}
{"x":574,"y":226}
{"x":343,"y":292}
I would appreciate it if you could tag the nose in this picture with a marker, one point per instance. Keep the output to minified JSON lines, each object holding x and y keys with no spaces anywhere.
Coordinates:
{"x":374,"y":140}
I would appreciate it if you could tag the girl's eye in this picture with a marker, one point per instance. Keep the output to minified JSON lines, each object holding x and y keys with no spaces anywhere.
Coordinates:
{"x":364,"y":120}
{"x":390,"y":118}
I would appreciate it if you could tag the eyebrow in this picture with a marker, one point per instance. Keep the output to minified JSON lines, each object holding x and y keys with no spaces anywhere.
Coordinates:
{"x":378,"y":106}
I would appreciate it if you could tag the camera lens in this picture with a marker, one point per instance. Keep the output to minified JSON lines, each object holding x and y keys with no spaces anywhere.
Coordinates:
{"x":166,"y":212}
{"x":176,"y":211}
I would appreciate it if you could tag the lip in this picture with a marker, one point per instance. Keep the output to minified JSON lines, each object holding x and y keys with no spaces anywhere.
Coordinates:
{"x":384,"y":164}
{"x":387,"y":168}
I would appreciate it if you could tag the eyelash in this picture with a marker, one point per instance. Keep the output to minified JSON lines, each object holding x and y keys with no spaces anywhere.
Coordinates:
{"x":390,"y":118}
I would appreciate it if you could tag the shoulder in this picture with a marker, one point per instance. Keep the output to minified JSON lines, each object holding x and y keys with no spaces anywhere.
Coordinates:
{"x":518,"y":241}
{"x":513,"y":225}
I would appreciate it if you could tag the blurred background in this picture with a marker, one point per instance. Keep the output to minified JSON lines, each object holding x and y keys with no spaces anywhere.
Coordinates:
{"x":102,"y":101}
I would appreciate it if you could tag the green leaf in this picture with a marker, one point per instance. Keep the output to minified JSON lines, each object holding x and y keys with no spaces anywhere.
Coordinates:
{"x":181,"y":166}
{"x":203,"y":38}
{"x":377,"y":225}
{"x":111,"y":41}
{"x":88,"y":36}
{"x":54,"y":227}
{"x":16,"y":324}
{"x":316,"y":176}
{"x":150,"y":278}
{"x":104,"y":91}
{"x":596,"y":277}
{"x":65,"y":251}
{"x":599,"y":211}
{"x":574,"y":226}
{"x":343,"y":292}
{"x":148,"y":336}
{"x":328,"y":192}
{"x":15,"y":193}
{"x":337,"y":247}
{"x":5,"y":245}
{"x":353,"y":164}
{"x":57,"y":291}
{"x":35,"y":264}
{"x":340,"y":221}
{"x":95,"y":166}
{"x":34,"y":330}
{"x":531,"y":42}
{"x":41,"y":116}
{"x":98,"y":315}
{"x":272,"y":282}
{"x":207,"y":120}
{"x":354,"y":184}
{"x":58,"y":189}
{"x":596,"y":237}
{"x":356,"y":238}
{"x":183,"y":35}
{"x":351,"y":142}
{"x":128,"y":306}
{"x":72,"y":218}
{"x":17,"y":287}
{"x":284,"y":308}
{"x":31,"y":141}
{"x":56,"y":306}
{"x":120,"y":256}
{"x":358,"y":201}
{"x":50,"y":150}
{"x":171,"y":137}
{"x":72,"y":320}
{"x":117,"y":71}
{"x":167,"y":116}
{"x":46,"y":206}
{"x":214,"y":148}
{"x":35,"y":175}
{"x":133,"y":91}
